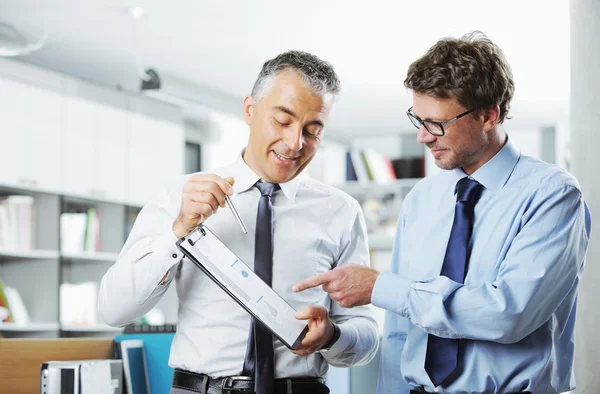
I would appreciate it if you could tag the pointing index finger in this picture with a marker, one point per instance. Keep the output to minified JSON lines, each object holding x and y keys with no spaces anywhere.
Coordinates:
{"x":313,"y":281}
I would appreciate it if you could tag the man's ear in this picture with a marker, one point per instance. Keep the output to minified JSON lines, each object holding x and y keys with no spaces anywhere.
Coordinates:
{"x":490,"y":117}
{"x":248,"y":109}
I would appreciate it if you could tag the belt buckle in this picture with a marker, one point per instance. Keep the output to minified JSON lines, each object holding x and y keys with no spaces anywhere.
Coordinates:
{"x":228,"y":382}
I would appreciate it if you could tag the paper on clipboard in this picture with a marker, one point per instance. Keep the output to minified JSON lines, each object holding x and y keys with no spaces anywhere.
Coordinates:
{"x":205,"y":250}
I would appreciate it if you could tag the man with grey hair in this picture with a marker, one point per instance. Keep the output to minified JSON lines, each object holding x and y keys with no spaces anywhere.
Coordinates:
{"x":297,"y":227}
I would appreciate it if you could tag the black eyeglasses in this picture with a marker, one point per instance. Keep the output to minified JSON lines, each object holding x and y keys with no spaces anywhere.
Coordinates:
{"x":434,"y":128}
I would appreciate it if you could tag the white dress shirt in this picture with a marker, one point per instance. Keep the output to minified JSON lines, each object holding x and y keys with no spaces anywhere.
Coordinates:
{"x":316,"y":228}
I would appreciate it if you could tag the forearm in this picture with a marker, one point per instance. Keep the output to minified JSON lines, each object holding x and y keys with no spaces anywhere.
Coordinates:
{"x":134,"y":284}
{"x":358,"y":342}
{"x":539,"y":273}
{"x":491,"y":312}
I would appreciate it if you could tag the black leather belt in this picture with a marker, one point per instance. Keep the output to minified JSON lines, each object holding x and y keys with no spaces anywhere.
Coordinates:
{"x":204,"y":384}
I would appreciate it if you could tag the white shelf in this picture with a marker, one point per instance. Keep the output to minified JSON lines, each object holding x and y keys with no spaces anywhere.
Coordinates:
{"x":6,"y":254}
{"x":82,"y":198}
{"x":355,"y":188}
{"x":381,"y":241}
{"x":31,"y":327}
{"x":28,"y":254}
{"x":91,"y":256}
{"x":96,"y":328}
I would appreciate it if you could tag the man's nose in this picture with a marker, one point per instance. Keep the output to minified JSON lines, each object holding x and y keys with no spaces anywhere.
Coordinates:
{"x":294,"y":138}
{"x":424,"y":136}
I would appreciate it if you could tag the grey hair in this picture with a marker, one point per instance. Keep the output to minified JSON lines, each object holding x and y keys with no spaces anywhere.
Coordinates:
{"x":318,"y":75}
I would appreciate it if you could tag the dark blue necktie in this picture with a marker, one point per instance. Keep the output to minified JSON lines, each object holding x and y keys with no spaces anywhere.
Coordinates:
{"x":259,"y":353}
{"x":442,"y":353}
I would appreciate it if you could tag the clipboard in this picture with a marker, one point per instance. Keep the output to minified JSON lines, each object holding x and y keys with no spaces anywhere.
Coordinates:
{"x":230,"y":273}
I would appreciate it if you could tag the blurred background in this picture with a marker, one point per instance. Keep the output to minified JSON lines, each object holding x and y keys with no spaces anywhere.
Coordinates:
{"x":102,"y":101}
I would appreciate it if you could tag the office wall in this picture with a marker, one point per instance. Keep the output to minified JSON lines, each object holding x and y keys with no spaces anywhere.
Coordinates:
{"x":585,"y":123}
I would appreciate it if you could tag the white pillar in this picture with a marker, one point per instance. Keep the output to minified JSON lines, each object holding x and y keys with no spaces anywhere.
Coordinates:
{"x":585,"y":141}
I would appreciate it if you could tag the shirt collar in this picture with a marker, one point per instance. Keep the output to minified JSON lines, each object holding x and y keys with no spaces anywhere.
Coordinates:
{"x":494,"y":174}
{"x":245,"y":178}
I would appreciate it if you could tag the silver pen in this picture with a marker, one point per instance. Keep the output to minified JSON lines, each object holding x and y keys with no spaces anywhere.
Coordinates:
{"x":236,"y":214}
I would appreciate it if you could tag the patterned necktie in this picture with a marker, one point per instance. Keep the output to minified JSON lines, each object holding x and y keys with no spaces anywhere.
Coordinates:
{"x":442,"y":353}
{"x":259,"y":353}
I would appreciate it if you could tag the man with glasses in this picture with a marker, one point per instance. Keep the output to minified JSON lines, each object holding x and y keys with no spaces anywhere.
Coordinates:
{"x":435,"y":128}
{"x":488,"y":255}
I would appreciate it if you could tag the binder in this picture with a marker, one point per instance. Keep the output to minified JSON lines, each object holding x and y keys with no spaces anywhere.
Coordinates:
{"x":219,"y":263}
{"x":157,"y":347}
{"x":135,"y":366}
{"x":59,"y":377}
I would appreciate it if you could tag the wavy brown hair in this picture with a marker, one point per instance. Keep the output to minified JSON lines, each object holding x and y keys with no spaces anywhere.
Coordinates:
{"x":471,"y":69}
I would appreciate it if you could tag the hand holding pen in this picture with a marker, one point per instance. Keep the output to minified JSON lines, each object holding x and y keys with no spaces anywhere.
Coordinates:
{"x":202,"y":196}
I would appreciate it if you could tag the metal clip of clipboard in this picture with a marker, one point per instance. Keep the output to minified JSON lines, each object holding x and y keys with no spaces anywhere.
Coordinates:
{"x":207,"y":252}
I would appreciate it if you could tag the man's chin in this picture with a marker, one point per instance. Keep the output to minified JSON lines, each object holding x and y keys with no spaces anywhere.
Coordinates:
{"x":444,"y":165}
{"x":282,"y":176}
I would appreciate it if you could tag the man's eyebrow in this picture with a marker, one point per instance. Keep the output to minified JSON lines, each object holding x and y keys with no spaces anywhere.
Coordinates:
{"x":293,"y":115}
{"x":286,"y":110}
{"x":315,"y":122}
{"x":426,"y":119}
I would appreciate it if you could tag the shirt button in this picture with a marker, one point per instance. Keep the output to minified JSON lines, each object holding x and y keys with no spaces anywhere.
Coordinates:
{"x":174,"y":255}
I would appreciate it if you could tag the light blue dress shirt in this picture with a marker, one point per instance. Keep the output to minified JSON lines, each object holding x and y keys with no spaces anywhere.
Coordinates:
{"x":515,"y":312}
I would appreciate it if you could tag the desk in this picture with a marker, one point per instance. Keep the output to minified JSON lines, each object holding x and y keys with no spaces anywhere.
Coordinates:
{"x":20,"y":359}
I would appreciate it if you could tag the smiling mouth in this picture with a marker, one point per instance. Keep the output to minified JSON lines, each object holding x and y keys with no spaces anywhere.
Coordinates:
{"x":284,"y":157}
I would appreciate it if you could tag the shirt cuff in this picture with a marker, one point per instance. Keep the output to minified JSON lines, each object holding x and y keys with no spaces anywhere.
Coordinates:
{"x":343,"y":342}
{"x":391,"y":293}
{"x":168,"y":255}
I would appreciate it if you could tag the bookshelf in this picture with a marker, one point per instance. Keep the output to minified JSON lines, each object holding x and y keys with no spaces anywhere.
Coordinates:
{"x":74,"y":147}
{"x":98,"y":330}
{"x":95,"y":328}
{"x":90,"y":257}
{"x":378,"y":173}
{"x":38,"y":273}
{"x":31,"y":327}
{"x":38,"y":270}
{"x":378,"y":170}
{"x":31,"y":330}
{"x":6,"y":254}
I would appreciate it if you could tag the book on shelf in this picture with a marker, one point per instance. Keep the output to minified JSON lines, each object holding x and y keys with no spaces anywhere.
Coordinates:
{"x":12,"y":308}
{"x":356,"y":161}
{"x":78,"y":304}
{"x":336,"y":164}
{"x":5,"y":313}
{"x":17,"y":307}
{"x":377,"y":166}
{"x":409,"y":167}
{"x":80,"y":231}
{"x":17,"y":222}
